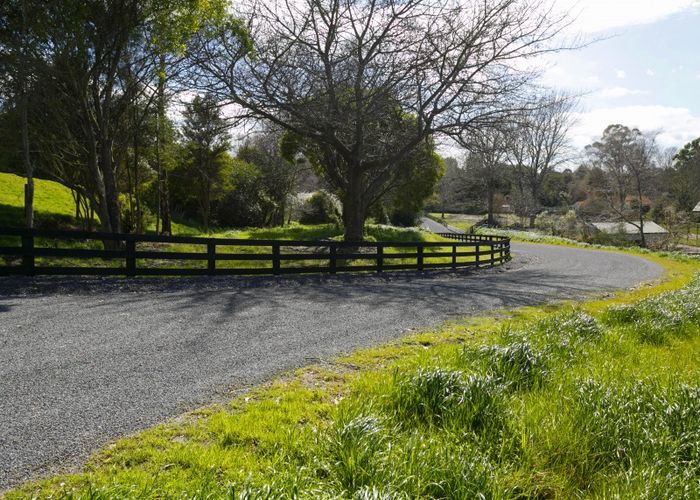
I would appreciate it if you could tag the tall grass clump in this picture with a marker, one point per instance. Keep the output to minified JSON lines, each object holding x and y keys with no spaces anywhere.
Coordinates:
{"x":627,"y":427}
{"x":437,"y":397}
{"x":441,"y":465}
{"x":353,"y":446}
{"x":515,"y":366}
{"x":657,"y":319}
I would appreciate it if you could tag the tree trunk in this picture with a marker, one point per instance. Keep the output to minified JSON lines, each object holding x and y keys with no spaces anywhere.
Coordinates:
{"x":640,"y":198}
{"x":206,"y":207}
{"x":137,"y":188}
{"x":490,"y":194}
{"x":535,"y":204}
{"x":111,"y":190}
{"x":163,"y":189}
{"x":354,"y":215}
{"x":166,"y":216}
{"x":99,"y":186}
{"x":28,"y":168}
{"x":26,"y":160}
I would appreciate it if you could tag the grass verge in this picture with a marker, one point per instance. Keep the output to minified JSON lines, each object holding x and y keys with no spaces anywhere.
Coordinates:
{"x":597,"y":399}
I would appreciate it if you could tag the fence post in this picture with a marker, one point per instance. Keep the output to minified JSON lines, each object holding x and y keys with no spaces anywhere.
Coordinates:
{"x":380,"y":258}
{"x":454,"y":256}
{"x":211,"y":258}
{"x":276,"y":258}
{"x":333,"y":250}
{"x":420,"y":258}
{"x":28,"y":253}
{"x":130,"y":258}
{"x":478,"y":250}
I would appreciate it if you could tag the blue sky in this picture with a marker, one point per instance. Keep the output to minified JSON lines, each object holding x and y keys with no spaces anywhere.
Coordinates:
{"x":643,"y":70}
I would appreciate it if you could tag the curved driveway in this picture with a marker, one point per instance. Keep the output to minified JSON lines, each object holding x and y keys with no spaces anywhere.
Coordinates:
{"x":80,"y":366}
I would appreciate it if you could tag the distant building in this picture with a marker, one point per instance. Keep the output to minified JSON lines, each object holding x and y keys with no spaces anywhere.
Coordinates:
{"x":696,"y":210}
{"x":653,"y":233}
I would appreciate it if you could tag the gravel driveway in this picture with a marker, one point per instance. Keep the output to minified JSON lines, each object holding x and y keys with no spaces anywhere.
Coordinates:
{"x":79,"y":368}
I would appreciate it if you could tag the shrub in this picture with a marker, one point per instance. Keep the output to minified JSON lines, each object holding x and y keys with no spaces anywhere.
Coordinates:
{"x":567,"y":225}
{"x":321,"y":208}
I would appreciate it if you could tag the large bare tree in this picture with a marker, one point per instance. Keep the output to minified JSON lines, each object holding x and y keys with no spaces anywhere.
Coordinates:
{"x":486,"y":164}
{"x":364,"y":82}
{"x":540,"y":144}
{"x":628,"y":159}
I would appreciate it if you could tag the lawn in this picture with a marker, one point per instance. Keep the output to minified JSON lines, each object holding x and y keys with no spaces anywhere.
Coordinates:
{"x":598,"y":400}
{"x":52,"y":201}
{"x":463,"y":222}
{"x":54,"y":204}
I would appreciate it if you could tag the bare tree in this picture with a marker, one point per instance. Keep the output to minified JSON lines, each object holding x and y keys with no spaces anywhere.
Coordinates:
{"x":279,"y":176}
{"x":540,"y":144}
{"x":628,"y":159}
{"x":486,"y":163}
{"x":363,"y":82}
{"x":450,"y":187}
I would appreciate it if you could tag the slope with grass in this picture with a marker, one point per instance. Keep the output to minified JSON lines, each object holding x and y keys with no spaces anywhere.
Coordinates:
{"x":51,"y":200}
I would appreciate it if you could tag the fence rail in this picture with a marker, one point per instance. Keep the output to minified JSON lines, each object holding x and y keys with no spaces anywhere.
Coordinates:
{"x":37,"y":252}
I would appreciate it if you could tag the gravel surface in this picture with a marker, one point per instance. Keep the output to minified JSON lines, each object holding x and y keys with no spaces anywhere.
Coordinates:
{"x":79,"y":368}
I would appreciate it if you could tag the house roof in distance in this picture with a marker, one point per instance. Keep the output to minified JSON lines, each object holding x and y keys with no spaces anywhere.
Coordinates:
{"x":614,"y":227}
{"x":697,"y":207}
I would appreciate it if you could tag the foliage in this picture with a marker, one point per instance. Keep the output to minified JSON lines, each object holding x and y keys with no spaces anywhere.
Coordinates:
{"x":627,"y":160}
{"x":353,"y":99}
{"x":97,"y":74}
{"x":320,"y":208}
{"x":684,"y":179}
{"x":242,"y":205}
{"x":207,"y":141}
{"x":418,"y":180}
{"x":279,"y":176}
{"x":567,"y":225}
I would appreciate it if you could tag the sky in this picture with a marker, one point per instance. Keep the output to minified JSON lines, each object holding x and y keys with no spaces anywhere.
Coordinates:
{"x":640,"y":69}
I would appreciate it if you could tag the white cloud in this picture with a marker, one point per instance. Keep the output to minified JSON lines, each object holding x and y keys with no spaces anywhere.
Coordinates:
{"x":676,"y":126}
{"x":620,"y":74}
{"x":561,"y":77}
{"x":591,"y":16}
{"x":618,"y":92}
{"x":650,"y":72}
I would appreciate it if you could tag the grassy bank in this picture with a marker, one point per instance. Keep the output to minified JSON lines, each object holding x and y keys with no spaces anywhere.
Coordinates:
{"x":53,"y":202}
{"x":590,"y":400}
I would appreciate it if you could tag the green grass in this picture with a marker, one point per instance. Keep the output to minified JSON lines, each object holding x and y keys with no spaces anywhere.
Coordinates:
{"x":459,"y":221}
{"x":54,"y":206}
{"x":52,"y":201}
{"x":290,"y":232}
{"x":561,"y":401}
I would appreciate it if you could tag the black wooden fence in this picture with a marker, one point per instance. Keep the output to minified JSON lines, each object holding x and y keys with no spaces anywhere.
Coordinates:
{"x":44,"y":252}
